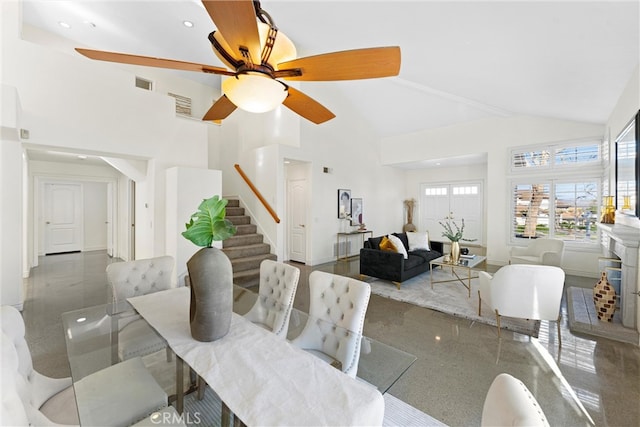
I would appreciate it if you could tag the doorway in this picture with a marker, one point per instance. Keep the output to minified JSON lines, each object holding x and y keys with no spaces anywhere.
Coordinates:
{"x":297,"y":182}
{"x":63,"y":218}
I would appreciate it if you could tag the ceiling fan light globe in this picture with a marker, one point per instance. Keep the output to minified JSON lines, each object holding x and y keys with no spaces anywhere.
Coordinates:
{"x":254,"y":92}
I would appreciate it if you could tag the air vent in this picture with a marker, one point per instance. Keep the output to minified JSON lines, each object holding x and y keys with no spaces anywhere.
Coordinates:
{"x":144,"y":83}
{"x":183,"y":104}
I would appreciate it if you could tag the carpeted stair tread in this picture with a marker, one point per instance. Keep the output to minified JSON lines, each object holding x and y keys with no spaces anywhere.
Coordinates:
{"x":251,"y":262}
{"x":239,"y":220}
{"x":234,"y":252}
{"x":246,"y":229}
{"x":244,"y":240}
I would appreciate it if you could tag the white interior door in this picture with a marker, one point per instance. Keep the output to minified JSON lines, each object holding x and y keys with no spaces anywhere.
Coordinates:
{"x":63,"y":218}
{"x":297,"y":198}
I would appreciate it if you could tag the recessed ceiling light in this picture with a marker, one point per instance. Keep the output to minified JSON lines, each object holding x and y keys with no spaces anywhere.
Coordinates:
{"x":187,"y":24}
{"x":82,"y":157}
{"x":89,"y":23}
{"x":64,"y":24}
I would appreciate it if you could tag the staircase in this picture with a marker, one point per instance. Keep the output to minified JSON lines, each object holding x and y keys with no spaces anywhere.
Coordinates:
{"x":246,"y":249}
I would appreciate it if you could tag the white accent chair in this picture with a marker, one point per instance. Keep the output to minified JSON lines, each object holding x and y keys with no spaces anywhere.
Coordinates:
{"x":118,"y":395}
{"x":333,"y":331}
{"x":510,"y":403}
{"x":539,"y":251}
{"x":133,"y":278}
{"x":277,"y":290}
{"x":523,"y":291}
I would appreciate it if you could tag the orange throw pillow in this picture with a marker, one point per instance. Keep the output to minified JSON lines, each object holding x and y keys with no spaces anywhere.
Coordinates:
{"x":387,"y":245}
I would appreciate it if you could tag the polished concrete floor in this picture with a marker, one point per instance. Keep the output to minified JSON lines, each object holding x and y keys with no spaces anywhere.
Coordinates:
{"x":588,"y":381}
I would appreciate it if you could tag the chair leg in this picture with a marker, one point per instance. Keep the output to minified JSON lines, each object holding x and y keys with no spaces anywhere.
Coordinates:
{"x":479,"y":304}
{"x":397,"y":284}
{"x":498,"y":321}
{"x":559,"y":336}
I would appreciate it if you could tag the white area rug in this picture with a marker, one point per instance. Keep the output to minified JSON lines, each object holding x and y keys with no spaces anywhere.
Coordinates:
{"x":450,"y":298}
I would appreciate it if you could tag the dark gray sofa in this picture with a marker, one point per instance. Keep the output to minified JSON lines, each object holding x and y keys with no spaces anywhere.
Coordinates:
{"x":392,"y":266}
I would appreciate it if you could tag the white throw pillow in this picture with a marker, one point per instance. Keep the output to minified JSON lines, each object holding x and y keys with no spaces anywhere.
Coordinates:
{"x":418,"y":240}
{"x":399,"y":246}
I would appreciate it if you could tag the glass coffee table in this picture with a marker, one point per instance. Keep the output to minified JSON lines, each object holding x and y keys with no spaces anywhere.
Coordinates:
{"x":465,"y":264}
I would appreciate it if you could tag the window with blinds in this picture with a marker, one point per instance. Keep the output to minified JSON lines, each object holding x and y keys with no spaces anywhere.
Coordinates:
{"x":560,"y":209}
{"x":547,"y":157}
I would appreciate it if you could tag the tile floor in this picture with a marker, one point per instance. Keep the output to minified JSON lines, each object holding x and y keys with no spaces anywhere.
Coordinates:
{"x":589,"y":381}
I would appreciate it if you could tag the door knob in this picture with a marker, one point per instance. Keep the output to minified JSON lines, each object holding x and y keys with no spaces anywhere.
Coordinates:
{"x":302,"y":225}
{"x":48,"y":222}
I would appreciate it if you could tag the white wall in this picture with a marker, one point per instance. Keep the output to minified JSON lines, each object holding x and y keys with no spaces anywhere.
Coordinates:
{"x":11,"y":223}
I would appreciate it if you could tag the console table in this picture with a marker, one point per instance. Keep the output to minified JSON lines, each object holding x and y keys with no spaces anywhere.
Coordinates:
{"x":347,"y":235}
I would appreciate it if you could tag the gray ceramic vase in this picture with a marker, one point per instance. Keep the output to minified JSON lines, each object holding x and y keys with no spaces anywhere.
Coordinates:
{"x":211,"y":278}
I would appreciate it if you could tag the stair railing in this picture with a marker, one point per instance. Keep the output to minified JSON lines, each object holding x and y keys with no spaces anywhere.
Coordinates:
{"x":258,"y":194}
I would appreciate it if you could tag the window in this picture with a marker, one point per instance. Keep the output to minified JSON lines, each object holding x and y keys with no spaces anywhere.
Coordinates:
{"x":557,"y":191}
{"x":556,"y":157}
{"x":566,"y":210}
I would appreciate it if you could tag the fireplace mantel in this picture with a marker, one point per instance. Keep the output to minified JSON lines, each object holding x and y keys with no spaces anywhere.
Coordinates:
{"x":623,"y":241}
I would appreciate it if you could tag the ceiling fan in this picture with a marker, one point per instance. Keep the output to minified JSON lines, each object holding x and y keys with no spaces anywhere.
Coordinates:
{"x":259,"y":57}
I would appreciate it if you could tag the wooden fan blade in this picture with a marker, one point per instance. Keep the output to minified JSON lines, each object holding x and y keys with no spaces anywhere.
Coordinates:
{"x":347,"y":65}
{"x":220,"y":109}
{"x":236,"y":21}
{"x":148,"y":61}
{"x":307,"y":107}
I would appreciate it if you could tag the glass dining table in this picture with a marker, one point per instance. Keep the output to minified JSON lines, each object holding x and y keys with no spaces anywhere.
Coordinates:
{"x":92,"y":345}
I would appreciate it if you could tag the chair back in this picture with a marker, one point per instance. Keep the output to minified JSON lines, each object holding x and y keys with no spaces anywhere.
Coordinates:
{"x":510,"y":403}
{"x":33,"y":388}
{"x":337,"y":309}
{"x":140,"y":277}
{"x":13,"y":410}
{"x":277,"y":290}
{"x":539,"y":246}
{"x":14,"y":330}
{"x":527,"y":291}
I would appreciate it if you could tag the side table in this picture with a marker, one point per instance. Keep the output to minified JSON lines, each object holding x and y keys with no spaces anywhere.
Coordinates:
{"x":346,"y":236}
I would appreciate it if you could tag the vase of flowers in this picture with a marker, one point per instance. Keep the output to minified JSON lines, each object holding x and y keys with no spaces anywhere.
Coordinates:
{"x":454,"y":233}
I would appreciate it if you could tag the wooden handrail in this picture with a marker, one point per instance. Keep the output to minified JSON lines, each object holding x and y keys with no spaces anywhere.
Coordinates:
{"x":257,"y":193}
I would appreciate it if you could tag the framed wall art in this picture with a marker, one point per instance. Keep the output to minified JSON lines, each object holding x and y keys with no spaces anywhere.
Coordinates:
{"x":344,"y":203}
{"x":356,"y":211}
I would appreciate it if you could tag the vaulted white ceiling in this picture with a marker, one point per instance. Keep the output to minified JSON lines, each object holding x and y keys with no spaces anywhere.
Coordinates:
{"x":461,"y":61}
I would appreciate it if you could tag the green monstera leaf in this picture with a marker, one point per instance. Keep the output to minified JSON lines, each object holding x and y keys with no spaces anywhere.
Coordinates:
{"x":209,"y":223}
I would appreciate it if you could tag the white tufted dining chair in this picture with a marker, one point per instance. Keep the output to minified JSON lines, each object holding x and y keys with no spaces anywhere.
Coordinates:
{"x":523,"y":291}
{"x":276,"y":292}
{"x":539,"y":251}
{"x":133,"y":278}
{"x":333,"y":331}
{"x":510,"y":403}
{"x":52,"y":401}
